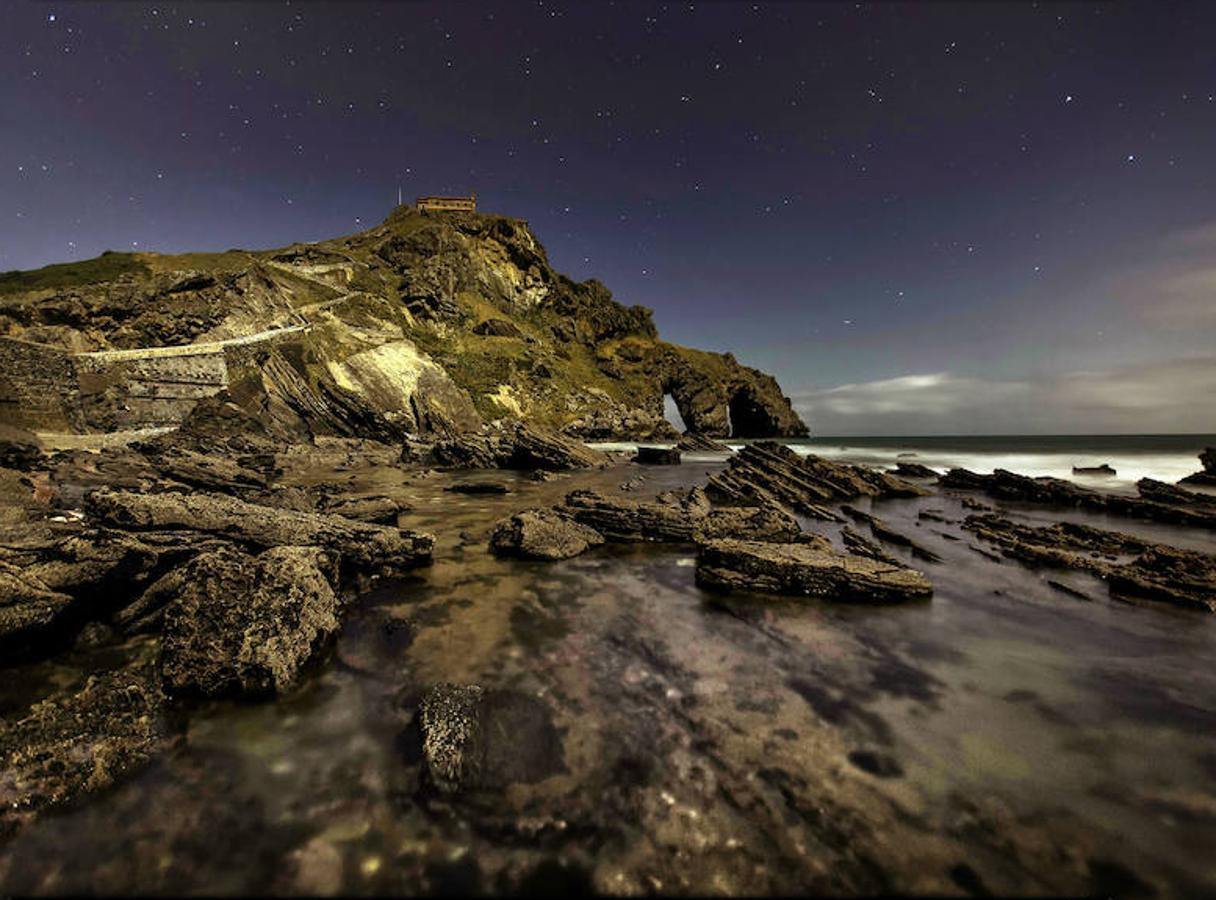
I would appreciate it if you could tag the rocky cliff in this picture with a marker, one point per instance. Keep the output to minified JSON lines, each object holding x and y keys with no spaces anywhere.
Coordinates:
{"x":427,"y":323}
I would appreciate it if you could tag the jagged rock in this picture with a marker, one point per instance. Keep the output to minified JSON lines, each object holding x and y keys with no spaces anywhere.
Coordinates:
{"x":913,"y":470}
{"x":83,"y":739}
{"x":375,"y":508}
{"x":701,"y":443}
{"x":811,"y":569}
{"x":1207,"y":477}
{"x":364,"y":548}
{"x":1005,"y":485}
{"x":542,"y":534}
{"x":884,"y":532}
{"x":91,"y":574}
{"x":657,"y":456}
{"x":498,"y":328}
{"x":1160,"y":492}
{"x":771,"y":473}
{"x":686,"y":520}
{"x":1154,"y":571}
{"x":515,"y":445}
{"x":863,"y":546}
{"x":240,"y":624}
{"x":1104,"y":470}
{"x":27,"y":604}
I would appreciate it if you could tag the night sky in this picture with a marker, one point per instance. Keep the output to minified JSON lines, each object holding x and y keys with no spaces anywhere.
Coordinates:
{"x":922,"y":219}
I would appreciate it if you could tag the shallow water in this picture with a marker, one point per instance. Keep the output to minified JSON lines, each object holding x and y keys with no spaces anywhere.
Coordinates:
{"x":1004,"y":736}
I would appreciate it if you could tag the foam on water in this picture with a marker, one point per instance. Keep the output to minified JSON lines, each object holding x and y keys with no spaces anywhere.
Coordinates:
{"x":1163,"y":457}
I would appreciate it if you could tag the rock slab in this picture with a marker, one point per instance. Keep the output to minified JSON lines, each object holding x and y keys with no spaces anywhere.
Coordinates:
{"x":811,"y":569}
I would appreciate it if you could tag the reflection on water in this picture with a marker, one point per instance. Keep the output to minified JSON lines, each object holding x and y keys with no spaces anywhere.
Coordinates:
{"x":1002,"y":737}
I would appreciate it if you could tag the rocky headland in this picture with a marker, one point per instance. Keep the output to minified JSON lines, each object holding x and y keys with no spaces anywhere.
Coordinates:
{"x":351,"y":590}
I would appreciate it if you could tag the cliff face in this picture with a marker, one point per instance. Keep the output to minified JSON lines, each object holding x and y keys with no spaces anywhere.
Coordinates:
{"x":429,"y":322}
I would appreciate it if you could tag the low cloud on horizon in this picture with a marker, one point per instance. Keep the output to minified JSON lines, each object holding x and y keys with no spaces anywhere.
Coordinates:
{"x":1157,"y":398}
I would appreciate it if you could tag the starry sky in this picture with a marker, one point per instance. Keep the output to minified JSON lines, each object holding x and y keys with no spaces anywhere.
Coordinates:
{"x":923,"y":219}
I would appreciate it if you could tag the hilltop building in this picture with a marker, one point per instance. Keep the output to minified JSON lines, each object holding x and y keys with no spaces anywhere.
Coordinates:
{"x":447,"y":204}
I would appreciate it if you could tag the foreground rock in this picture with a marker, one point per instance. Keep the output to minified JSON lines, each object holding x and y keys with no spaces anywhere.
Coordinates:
{"x":240,"y":624}
{"x":1155,"y":572}
{"x":771,"y":473}
{"x":657,"y":456}
{"x":474,"y":738}
{"x":1005,"y":485}
{"x":514,"y":445}
{"x":677,"y":518}
{"x":544,"y":534}
{"x":810,"y":569}
{"x":84,"y":739}
{"x":363,"y":548}
{"x":27,"y":604}
{"x":53,"y":583}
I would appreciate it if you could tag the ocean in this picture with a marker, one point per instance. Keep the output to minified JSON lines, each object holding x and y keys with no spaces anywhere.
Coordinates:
{"x":1165,"y":457}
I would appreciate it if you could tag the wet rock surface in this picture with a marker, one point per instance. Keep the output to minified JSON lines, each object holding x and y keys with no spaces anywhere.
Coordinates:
{"x":82,"y":740}
{"x":807,"y":569}
{"x":1134,"y":569}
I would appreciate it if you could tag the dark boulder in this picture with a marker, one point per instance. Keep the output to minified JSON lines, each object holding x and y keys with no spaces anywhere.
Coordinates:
{"x":237,"y":624}
{"x":1105,"y":470}
{"x":478,"y":739}
{"x":542,"y":534}
{"x":657,"y":456}
{"x":477,"y":487}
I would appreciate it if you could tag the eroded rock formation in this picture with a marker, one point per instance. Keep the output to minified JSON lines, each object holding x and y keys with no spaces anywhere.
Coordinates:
{"x":428,"y":324}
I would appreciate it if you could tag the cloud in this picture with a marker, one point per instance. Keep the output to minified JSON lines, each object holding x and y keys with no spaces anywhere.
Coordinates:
{"x":1153,"y":398}
{"x":1177,"y":289}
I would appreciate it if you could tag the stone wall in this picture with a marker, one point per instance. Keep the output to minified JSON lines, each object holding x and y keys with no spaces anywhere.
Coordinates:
{"x":46,"y":388}
{"x":38,"y":387}
{"x":144,"y":391}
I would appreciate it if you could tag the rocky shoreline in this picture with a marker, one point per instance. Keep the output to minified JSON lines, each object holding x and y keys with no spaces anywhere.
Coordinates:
{"x":218,"y":562}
